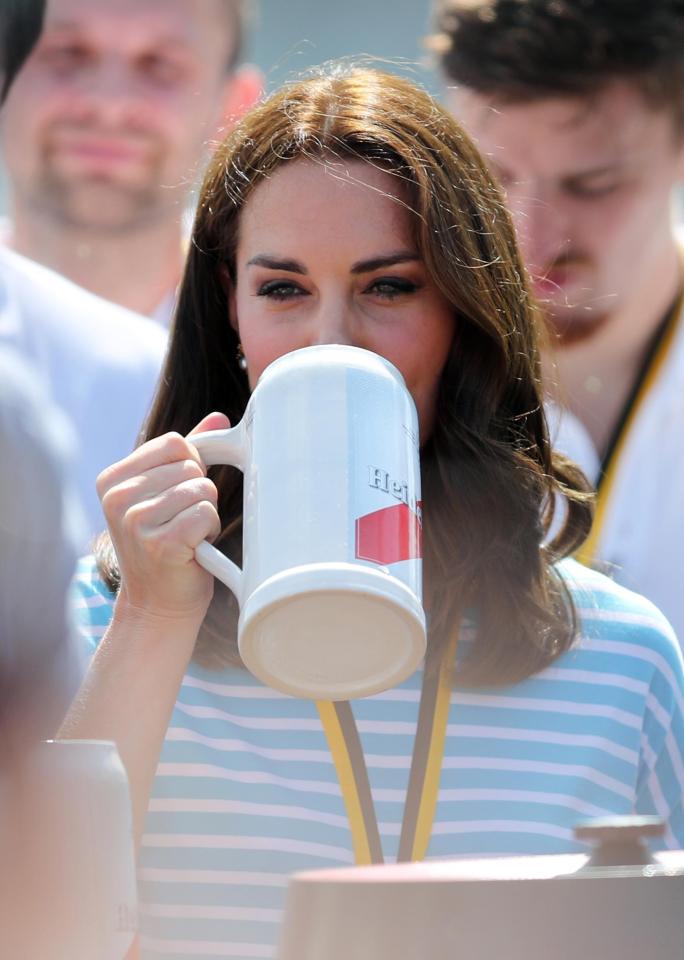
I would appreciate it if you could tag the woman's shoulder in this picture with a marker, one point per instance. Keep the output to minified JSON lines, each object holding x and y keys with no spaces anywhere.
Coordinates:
{"x":607,"y":612}
{"x":91,"y":601}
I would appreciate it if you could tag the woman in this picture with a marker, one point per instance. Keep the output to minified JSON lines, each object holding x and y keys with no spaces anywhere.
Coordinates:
{"x":350,"y":208}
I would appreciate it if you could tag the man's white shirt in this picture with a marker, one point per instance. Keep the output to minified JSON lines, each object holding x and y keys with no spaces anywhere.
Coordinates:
{"x":642,"y":533}
{"x":98,"y":362}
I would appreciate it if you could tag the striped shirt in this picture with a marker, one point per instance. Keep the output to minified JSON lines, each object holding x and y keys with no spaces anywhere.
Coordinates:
{"x":246,"y":790}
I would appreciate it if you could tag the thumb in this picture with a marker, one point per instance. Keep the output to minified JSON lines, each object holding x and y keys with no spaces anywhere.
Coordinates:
{"x":212,"y":421}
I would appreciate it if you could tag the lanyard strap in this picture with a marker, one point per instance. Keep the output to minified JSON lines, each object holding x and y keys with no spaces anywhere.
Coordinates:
{"x":649,"y":376}
{"x":426,"y":765}
{"x":345,"y":746}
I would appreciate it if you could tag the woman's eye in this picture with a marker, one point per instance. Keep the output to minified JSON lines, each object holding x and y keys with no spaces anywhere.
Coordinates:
{"x":391,"y":287}
{"x":279,"y":290}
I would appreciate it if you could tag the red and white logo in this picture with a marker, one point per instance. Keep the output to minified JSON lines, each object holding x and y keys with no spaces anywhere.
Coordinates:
{"x":389,"y":535}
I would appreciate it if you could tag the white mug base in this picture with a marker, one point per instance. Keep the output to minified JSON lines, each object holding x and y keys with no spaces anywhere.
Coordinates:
{"x":332,"y":631}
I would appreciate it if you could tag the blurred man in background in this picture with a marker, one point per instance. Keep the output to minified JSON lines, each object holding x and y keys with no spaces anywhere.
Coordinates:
{"x":59,"y":886}
{"x":95,"y":362}
{"x":40,"y":523}
{"x":578,"y":106}
{"x":104,"y":134}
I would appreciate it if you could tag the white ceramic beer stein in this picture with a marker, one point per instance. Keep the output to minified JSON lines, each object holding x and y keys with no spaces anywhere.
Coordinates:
{"x":330,"y":590}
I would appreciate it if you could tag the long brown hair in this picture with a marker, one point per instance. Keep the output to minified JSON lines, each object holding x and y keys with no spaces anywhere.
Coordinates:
{"x":490,"y":480}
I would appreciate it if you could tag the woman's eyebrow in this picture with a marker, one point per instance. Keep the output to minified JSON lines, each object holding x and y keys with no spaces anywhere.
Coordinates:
{"x":387,"y":260}
{"x":275,"y":263}
{"x":361,"y":266}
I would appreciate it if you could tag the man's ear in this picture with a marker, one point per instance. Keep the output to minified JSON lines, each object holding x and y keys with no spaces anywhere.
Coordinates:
{"x":241,"y":91}
{"x":226,"y":282}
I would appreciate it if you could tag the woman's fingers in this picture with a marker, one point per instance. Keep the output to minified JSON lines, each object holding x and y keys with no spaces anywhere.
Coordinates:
{"x":197,"y":522}
{"x":160,"y":505}
{"x":171,"y":545}
{"x":155,"y":510}
{"x":170,"y":448}
{"x":212,"y":421}
{"x":149,"y":484}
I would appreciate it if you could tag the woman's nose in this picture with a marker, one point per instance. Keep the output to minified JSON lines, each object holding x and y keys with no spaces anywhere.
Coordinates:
{"x":335,"y":324}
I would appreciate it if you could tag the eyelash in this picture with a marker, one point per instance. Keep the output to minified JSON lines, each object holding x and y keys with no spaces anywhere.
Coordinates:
{"x":282,"y":290}
{"x":394,"y":287}
{"x":278,"y":289}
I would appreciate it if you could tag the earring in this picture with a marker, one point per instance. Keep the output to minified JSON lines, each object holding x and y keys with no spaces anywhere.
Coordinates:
{"x":241,"y":358}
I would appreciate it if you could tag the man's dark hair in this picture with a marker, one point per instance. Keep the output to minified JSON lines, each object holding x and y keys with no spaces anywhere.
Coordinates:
{"x":20,"y":24}
{"x":527,"y":49}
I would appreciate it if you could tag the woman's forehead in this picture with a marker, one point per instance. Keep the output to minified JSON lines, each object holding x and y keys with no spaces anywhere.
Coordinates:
{"x":333,"y":172}
{"x":321,"y":196}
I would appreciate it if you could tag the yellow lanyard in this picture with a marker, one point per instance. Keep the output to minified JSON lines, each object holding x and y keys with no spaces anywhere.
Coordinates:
{"x":426,"y":766}
{"x":587,"y":552}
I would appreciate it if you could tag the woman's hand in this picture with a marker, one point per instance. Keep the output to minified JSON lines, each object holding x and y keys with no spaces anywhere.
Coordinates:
{"x":159,"y":505}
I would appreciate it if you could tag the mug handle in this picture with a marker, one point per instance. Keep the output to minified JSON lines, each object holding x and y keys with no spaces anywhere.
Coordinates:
{"x":221,"y":447}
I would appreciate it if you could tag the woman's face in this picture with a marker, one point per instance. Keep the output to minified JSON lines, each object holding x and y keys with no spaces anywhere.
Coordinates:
{"x":325,"y":255}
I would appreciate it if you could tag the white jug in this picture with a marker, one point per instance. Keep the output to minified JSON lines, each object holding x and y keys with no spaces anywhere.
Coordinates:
{"x":68,"y":885}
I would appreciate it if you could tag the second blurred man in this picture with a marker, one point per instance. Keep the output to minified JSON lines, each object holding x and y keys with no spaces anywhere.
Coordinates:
{"x":105,"y":130}
{"x":579,"y":108}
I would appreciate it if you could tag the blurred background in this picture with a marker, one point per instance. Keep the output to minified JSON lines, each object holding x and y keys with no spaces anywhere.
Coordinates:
{"x":293,"y":36}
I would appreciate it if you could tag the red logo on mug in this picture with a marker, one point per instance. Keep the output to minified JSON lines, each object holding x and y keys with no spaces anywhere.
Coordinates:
{"x":389,"y":535}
